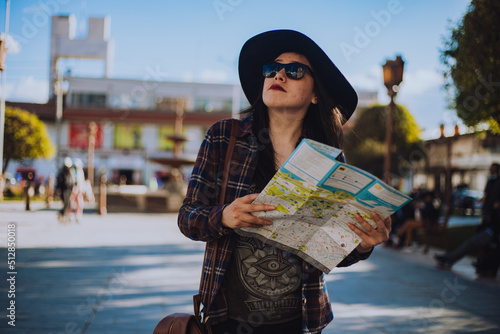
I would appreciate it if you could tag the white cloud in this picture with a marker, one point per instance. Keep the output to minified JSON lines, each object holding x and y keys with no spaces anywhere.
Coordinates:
{"x":213,"y":76}
{"x":187,"y":76}
{"x":420,"y":82}
{"x":370,"y":80}
{"x":414,"y":83}
{"x":13,"y":46}
{"x":28,"y":89}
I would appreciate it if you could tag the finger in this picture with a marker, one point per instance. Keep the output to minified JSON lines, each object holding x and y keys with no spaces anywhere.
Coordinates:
{"x":388,"y":223}
{"x":357,"y":230}
{"x":251,"y":219}
{"x":378,"y":221}
{"x":248,"y":198}
{"x":363,"y":223}
{"x":381,"y":224}
{"x":252,"y":196}
{"x":260,"y":207}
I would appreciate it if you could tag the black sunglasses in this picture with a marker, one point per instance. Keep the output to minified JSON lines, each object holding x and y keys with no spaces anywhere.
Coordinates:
{"x":294,"y":71}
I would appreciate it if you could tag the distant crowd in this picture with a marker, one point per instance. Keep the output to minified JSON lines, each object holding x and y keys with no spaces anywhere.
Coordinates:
{"x":73,"y":190}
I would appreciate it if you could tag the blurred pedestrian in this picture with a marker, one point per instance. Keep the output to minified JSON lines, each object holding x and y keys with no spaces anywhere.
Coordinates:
{"x":79,"y":190}
{"x":426,"y":217}
{"x":51,"y":183}
{"x":65,"y":183}
{"x":489,"y":228}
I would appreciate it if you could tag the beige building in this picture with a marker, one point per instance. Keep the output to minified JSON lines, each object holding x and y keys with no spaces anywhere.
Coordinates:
{"x":463,"y":159}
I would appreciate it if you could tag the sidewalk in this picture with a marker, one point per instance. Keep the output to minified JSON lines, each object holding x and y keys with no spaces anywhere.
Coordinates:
{"x":121,"y":273}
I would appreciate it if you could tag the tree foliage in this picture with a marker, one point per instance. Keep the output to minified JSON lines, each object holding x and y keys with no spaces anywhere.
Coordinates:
{"x":25,"y":137}
{"x":365,"y":141}
{"x":471,"y":56}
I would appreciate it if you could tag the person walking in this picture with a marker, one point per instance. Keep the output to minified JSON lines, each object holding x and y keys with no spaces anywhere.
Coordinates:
{"x":79,"y":189}
{"x":489,"y":228}
{"x":295,"y":92}
{"x":65,"y":183}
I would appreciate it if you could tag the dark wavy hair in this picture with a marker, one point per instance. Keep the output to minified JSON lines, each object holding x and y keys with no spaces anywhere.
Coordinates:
{"x":322,"y":122}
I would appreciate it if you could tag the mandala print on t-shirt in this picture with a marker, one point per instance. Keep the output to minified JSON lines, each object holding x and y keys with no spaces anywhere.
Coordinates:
{"x":267,"y":272}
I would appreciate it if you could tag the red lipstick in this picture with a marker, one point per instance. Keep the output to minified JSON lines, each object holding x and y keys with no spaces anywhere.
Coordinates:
{"x":276,"y":87}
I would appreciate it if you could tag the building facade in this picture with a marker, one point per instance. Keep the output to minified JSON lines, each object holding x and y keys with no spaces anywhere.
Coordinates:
{"x":459,"y":161}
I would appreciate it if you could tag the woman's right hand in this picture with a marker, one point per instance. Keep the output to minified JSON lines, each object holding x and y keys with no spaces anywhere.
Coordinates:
{"x":239,"y":213}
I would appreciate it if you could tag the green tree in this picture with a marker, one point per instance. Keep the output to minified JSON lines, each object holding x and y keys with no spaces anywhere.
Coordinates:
{"x":25,"y":137}
{"x":365,"y":141}
{"x":471,"y":56}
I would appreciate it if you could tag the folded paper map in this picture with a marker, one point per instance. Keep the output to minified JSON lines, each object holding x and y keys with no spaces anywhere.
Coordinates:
{"x":315,"y":197}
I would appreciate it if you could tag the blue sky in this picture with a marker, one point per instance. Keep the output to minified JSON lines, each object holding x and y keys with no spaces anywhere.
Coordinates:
{"x":200,"y":40}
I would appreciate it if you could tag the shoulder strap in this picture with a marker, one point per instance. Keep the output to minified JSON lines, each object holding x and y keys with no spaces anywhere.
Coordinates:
{"x":220,"y":201}
{"x":227,"y":161}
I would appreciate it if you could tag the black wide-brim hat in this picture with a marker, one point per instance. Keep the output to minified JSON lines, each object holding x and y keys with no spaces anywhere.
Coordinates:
{"x":266,"y":47}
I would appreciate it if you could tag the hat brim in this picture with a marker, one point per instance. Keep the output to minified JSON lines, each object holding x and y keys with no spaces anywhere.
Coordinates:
{"x":267,"y":46}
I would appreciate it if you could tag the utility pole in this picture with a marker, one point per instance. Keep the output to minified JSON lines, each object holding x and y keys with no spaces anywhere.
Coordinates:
{"x":58,"y":89}
{"x":3,"y":56}
{"x":92,"y":130}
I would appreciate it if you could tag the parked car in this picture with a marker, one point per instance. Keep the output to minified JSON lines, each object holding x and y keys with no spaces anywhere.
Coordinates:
{"x":469,"y":202}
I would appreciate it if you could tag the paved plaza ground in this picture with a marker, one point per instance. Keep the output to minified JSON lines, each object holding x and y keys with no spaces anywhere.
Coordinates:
{"x":122,"y":272}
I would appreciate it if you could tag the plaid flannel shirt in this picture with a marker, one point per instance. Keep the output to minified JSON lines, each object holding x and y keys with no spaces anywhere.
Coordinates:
{"x":200,"y":219}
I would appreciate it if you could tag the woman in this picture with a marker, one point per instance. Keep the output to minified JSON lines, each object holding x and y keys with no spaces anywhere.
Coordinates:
{"x":295,"y":92}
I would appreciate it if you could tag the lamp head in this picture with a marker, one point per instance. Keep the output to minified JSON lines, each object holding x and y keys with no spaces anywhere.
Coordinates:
{"x":393,"y":73}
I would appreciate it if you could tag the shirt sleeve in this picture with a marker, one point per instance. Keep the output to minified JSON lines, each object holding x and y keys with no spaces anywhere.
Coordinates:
{"x":199,"y":216}
{"x":354,"y":257}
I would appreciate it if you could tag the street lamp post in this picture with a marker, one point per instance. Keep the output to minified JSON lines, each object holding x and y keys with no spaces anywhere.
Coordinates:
{"x":92,"y":130}
{"x":393,"y":76}
{"x":60,"y":88}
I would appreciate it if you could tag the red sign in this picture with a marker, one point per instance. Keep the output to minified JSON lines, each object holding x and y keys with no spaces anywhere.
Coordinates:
{"x":79,"y":135}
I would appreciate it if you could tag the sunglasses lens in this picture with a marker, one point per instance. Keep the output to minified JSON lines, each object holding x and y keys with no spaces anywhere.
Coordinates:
{"x":293,"y":71}
{"x":270,"y":70}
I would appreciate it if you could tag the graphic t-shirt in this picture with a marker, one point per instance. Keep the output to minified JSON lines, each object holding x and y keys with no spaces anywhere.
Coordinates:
{"x":263,"y":283}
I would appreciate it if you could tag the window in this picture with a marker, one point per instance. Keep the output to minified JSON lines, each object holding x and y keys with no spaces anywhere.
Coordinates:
{"x":88,"y":99}
{"x":128,"y":136}
{"x":209,"y":105}
{"x":170,"y":103}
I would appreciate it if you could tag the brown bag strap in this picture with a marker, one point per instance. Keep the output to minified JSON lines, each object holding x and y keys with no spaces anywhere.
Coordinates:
{"x":227,"y":161}
{"x":220,"y":201}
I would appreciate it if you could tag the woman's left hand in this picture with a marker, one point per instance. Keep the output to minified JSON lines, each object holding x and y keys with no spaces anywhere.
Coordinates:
{"x":371,"y":236}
